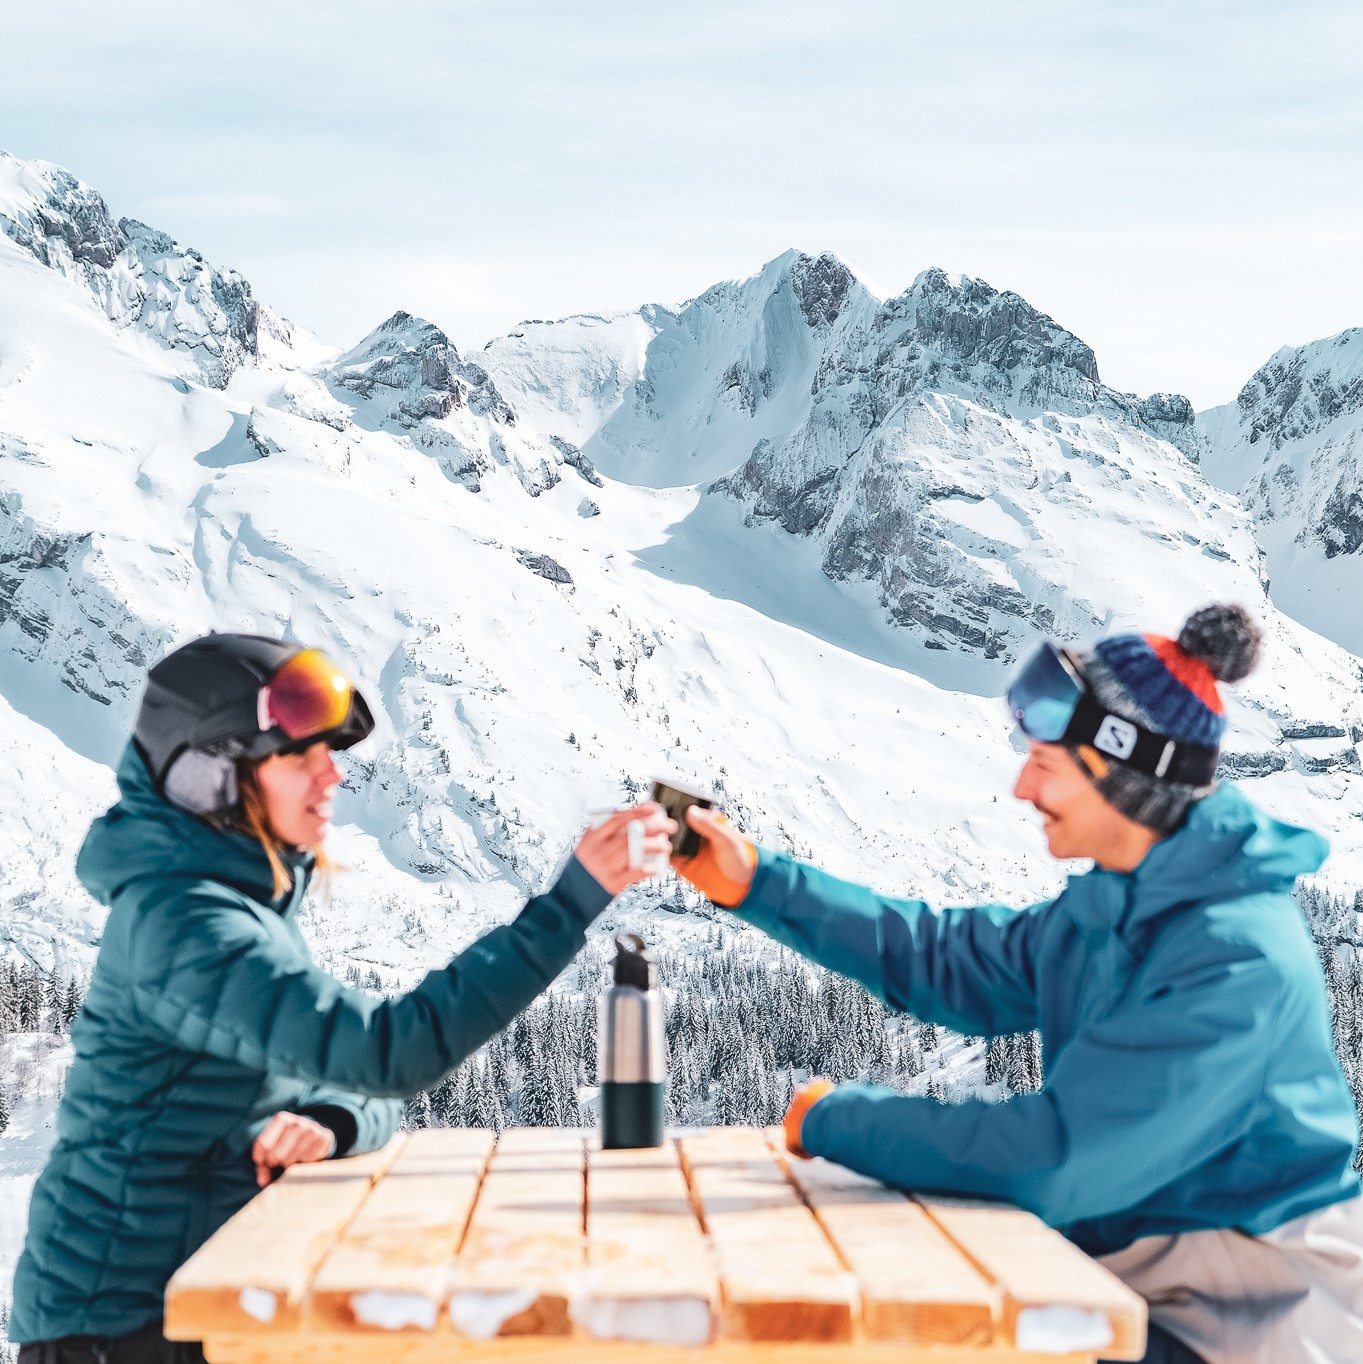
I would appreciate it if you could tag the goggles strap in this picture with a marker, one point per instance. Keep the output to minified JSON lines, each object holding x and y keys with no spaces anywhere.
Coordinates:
{"x":1156,"y":755}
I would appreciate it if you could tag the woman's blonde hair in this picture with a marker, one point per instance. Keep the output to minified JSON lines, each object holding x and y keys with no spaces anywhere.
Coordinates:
{"x":250,"y":818}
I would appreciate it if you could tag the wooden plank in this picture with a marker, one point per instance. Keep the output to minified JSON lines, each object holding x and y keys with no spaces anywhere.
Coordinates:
{"x":1054,"y":1296}
{"x":251,"y":1274}
{"x":303,"y":1347}
{"x":523,"y":1251}
{"x":541,"y":1148}
{"x":915,"y":1285}
{"x":389,"y":1268}
{"x":648,"y":1277}
{"x":781,"y":1277}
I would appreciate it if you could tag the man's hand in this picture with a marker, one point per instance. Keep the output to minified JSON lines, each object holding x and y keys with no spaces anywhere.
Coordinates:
{"x":289,"y":1139}
{"x":723,"y":868}
{"x":617,"y":856}
{"x":805,"y":1098}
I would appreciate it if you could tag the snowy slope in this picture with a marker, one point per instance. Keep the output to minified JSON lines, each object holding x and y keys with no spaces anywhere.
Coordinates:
{"x":809,"y":503}
{"x":662,"y":398}
{"x":953,"y":471}
{"x":1291,"y":446}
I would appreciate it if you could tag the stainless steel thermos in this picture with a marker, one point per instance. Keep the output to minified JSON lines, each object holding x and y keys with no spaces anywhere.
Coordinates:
{"x":632,"y":1064}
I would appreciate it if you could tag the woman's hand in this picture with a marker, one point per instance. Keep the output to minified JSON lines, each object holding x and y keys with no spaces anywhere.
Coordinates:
{"x":289,"y":1139}
{"x":722,"y":870}
{"x":617,"y":858}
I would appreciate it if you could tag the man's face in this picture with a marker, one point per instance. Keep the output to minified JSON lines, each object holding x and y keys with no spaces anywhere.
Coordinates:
{"x":1078,"y":821}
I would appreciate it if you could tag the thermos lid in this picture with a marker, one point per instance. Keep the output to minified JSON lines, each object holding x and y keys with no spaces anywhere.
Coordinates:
{"x":634,"y":964}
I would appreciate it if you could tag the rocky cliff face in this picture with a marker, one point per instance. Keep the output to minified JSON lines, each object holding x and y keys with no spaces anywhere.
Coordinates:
{"x":952,"y":441}
{"x":416,"y":367}
{"x":939,"y":445}
{"x":673,"y":398}
{"x":1291,"y":446}
{"x":139,"y":276}
{"x":409,"y":376}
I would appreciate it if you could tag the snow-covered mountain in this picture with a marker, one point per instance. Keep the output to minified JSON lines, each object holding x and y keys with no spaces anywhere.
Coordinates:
{"x":927,"y":446}
{"x":1291,"y":446}
{"x":784,"y":540}
{"x":138,"y":277}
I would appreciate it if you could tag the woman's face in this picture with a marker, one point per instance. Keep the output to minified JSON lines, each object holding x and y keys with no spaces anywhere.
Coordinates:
{"x":297,"y":790}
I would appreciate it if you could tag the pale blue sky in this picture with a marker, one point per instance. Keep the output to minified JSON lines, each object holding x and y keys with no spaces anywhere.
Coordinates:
{"x":1179,"y":183}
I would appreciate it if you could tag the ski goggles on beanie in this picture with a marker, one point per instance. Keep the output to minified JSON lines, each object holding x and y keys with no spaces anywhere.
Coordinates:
{"x":1052,"y":703}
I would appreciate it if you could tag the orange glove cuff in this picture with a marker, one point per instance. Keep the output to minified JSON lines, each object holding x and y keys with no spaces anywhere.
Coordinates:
{"x":703,"y":872}
{"x":805,"y":1099}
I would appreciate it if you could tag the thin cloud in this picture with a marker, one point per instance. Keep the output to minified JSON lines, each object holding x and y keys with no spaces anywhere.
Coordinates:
{"x":1179,"y":184}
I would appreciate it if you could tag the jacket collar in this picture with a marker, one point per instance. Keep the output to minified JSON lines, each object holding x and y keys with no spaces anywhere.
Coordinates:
{"x":143,"y":835}
{"x":1225,"y":849}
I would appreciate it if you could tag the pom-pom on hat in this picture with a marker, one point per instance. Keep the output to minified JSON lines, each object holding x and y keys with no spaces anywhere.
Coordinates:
{"x":1170,"y":686}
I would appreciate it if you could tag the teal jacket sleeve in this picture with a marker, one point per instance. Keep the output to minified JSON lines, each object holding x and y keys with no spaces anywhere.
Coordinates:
{"x":1131,"y":1103}
{"x":968,"y":969}
{"x":212,"y":979}
{"x":360,"y":1124}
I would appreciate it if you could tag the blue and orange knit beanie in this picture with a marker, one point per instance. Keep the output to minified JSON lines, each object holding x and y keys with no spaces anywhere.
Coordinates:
{"x":1169,"y":686}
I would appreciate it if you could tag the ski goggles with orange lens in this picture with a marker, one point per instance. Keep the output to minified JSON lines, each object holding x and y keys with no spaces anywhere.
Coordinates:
{"x":1052,"y":702}
{"x":308,"y":696}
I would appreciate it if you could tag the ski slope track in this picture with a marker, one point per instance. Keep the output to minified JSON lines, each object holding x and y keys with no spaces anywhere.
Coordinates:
{"x":785,"y":541}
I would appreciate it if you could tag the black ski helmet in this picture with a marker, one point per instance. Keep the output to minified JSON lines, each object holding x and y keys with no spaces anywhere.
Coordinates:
{"x":200,"y":713}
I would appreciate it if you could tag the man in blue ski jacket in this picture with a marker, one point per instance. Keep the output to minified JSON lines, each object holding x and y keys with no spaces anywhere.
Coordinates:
{"x":1194,"y":1130}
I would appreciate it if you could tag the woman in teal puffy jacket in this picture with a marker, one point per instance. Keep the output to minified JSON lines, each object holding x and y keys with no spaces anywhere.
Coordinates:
{"x":211,"y":1050}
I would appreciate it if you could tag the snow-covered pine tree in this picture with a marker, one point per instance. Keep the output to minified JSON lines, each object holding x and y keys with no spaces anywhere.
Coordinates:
{"x":9,"y":1003}
{"x":728,"y":1103}
{"x":725,"y":1051}
{"x":538,"y":1105}
{"x":909,"y":1062}
{"x":525,"y":1042}
{"x":29,"y":999}
{"x":499,"y":1065}
{"x":589,"y":1021}
{"x":562,"y":1064}
{"x":879,"y":1060}
{"x":678,"y":1090}
{"x":1024,"y":1063}
{"x":417,"y":1112}
{"x":995,"y":1060}
{"x":445,"y":1101}
{"x":72,"y":1001}
{"x":485,"y":1104}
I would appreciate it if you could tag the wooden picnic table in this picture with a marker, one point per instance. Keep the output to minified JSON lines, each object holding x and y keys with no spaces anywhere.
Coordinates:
{"x":717,"y":1248}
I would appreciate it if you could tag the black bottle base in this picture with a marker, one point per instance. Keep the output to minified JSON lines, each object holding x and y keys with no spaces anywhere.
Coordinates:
{"x":632,"y":1114}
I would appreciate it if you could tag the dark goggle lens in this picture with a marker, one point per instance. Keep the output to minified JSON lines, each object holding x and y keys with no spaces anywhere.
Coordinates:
{"x":307,"y":695}
{"x":1043,"y":696}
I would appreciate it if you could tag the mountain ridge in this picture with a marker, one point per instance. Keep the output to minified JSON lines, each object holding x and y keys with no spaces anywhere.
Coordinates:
{"x":566,"y":563}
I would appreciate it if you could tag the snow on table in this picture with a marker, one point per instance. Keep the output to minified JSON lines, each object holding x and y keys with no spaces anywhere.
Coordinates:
{"x":716,"y":1246}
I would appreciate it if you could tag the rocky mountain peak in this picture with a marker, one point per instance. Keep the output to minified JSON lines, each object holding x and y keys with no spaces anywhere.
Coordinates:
{"x":1304,"y":388}
{"x":138,"y":276}
{"x":821,"y":285}
{"x":50,"y":213}
{"x":821,"y":288}
{"x":418,"y":368}
{"x":1291,"y":447}
{"x":974,"y":323}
